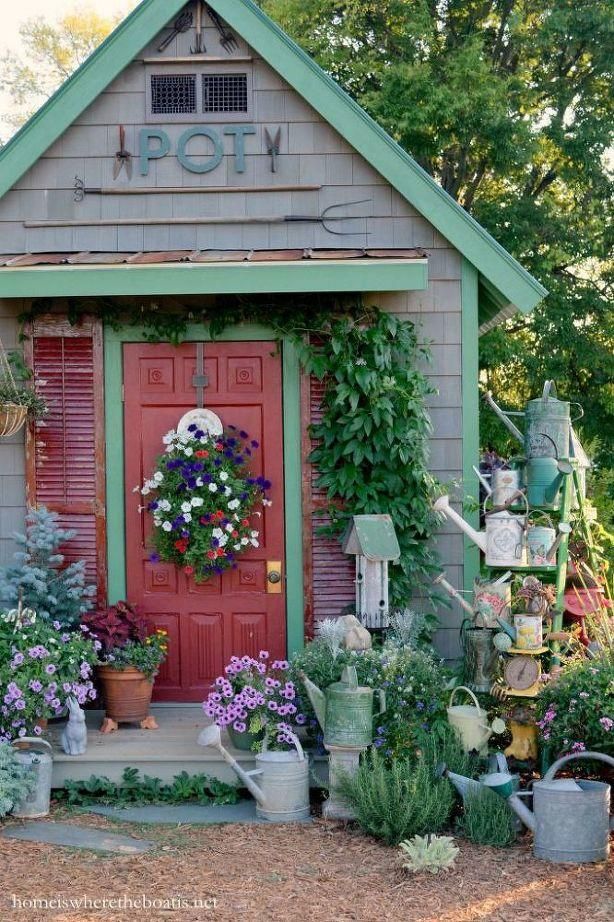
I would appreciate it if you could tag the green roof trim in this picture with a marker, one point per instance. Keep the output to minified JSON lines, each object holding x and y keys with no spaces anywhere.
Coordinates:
{"x":514,"y":285}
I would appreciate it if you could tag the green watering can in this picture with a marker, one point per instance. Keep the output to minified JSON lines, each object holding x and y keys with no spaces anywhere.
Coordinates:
{"x":345,"y":710}
{"x":545,"y":476}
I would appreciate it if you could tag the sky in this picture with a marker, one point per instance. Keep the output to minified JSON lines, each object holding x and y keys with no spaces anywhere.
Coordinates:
{"x":15,"y":12}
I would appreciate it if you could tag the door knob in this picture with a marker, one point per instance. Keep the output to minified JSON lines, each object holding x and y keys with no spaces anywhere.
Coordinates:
{"x":273,"y":575}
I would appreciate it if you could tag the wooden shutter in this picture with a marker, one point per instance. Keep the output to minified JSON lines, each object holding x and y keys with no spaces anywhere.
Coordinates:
{"x":329,"y":572}
{"x":65,"y":452}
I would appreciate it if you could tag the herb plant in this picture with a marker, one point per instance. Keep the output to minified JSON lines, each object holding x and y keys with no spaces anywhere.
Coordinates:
{"x":429,"y":853}
{"x":398,"y":800}
{"x":487,"y":820}
{"x":42,"y":665}
{"x":40,"y":578}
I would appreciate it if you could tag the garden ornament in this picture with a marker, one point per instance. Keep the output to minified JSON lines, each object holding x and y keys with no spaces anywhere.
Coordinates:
{"x":544,"y":416}
{"x":283,"y":793}
{"x":356,"y":637}
{"x":74,"y":734}
{"x":373,"y":541}
{"x":503,"y":541}
{"x":35,"y":758}
{"x":345,"y":713}
{"x":570,"y":819}
{"x":470,"y":722}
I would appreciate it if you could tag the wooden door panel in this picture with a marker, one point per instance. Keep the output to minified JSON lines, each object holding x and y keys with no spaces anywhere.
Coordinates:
{"x":232,"y":613}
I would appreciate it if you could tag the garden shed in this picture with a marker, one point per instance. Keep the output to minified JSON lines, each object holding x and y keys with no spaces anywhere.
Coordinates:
{"x":178,"y":166}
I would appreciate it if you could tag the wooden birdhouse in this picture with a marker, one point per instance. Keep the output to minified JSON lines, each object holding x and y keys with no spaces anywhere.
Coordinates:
{"x":372,"y":539}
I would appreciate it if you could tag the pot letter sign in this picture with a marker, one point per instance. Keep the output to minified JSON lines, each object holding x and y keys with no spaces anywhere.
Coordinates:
{"x":154,"y":143}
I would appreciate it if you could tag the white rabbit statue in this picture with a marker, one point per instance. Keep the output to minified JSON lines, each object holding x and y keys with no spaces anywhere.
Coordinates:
{"x":74,"y":734}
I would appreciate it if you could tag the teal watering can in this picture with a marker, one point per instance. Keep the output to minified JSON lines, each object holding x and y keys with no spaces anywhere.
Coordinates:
{"x":545,"y":477}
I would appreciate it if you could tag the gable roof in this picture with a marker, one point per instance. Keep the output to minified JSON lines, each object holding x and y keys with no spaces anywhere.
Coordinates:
{"x":505,"y":285}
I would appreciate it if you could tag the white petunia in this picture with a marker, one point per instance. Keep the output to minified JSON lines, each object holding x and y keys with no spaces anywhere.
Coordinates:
{"x":157,"y":522}
{"x":166,"y":526}
{"x":223,"y":540}
{"x":158,"y":476}
{"x":230,"y":527}
{"x":187,"y":516}
{"x":164,"y":505}
{"x":188,"y":451}
{"x":267,"y":502}
{"x":213,"y":487}
{"x":217,"y":533}
{"x":223,"y":476}
{"x":244,"y":541}
{"x":254,"y":534}
{"x":145,"y":490}
{"x":199,"y":481}
{"x":186,"y":507}
{"x":227,"y":491}
{"x":233,"y":504}
{"x":237,"y":547}
{"x":169,"y":437}
{"x":255,"y":543}
{"x":197,"y":501}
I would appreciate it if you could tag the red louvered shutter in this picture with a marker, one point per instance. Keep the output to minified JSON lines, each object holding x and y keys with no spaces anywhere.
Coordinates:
{"x":65,"y":453}
{"x":332,"y":571}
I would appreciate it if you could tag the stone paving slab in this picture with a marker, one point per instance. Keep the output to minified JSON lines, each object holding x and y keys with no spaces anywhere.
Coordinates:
{"x":188,"y":814}
{"x":98,"y":840}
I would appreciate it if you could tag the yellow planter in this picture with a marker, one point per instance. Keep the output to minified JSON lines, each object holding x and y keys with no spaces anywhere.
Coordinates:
{"x":524,"y":741}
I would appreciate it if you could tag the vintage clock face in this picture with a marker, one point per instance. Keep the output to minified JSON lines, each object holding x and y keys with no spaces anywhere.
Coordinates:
{"x":522,"y":672}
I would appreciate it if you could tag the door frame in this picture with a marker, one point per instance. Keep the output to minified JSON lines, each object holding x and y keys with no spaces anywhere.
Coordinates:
{"x":114,"y":339}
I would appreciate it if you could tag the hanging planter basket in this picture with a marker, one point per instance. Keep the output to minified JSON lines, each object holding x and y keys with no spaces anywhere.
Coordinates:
{"x":12,"y":418}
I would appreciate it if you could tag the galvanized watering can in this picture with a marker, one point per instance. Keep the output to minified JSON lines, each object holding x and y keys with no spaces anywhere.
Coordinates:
{"x":481,"y":657}
{"x":345,"y":710}
{"x":547,"y":420}
{"x":570,"y":819}
{"x":471,"y":722}
{"x":283,"y":793}
{"x":543,"y":542}
{"x":38,"y":760}
{"x":503,"y":542}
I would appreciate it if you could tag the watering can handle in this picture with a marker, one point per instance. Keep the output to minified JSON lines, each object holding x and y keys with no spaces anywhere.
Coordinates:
{"x":549,"y":388}
{"x":581,"y":408}
{"x":32,"y":739}
{"x":382,"y":701}
{"x":576,"y":755}
{"x":469,"y":692}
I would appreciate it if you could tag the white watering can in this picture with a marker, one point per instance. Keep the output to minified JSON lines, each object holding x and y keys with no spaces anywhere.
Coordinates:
{"x":283,"y":793}
{"x":471,"y":722}
{"x":504,"y":485}
{"x":503,"y":542}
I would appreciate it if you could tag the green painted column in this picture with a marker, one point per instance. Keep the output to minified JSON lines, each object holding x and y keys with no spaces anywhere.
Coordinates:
{"x":471,"y":413}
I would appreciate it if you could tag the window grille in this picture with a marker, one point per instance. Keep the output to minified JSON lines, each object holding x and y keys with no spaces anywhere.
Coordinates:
{"x":173,"y":94}
{"x":224,"y":92}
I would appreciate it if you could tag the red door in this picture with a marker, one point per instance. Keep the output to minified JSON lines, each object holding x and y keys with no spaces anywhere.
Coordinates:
{"x":232,"y":613}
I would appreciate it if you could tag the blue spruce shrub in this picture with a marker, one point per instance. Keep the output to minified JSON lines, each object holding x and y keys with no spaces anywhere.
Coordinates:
{"x":40,"y":577}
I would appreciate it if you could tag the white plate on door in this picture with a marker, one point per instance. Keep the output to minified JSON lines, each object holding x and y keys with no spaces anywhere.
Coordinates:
{"x":206,"y":420}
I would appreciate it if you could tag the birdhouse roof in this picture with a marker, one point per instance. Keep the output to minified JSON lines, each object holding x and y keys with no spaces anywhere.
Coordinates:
{"x":373,"y":537}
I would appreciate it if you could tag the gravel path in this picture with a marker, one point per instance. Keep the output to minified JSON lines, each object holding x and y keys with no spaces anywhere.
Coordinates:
{"x":323,"y":872}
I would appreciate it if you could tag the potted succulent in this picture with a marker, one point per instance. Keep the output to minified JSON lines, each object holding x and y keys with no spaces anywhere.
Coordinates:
{"x":41,"y":665}
{"x":255,"y":698}
{"x":130,"y":657}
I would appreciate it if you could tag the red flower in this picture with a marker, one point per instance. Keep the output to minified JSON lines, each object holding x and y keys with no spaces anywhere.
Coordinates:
{"x":181,"y":545}
{"x":188,"y":570}
{"x":219,"y":514}
{"x":201,"y":454}
{"x":245,"y":522}
{"x":211,"y":555}
{"x":218,"y":446}
{"x":234,"y":534}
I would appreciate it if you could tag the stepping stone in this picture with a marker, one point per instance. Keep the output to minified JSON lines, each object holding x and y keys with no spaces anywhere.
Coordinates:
{"x":187,"y":814}
{"x":98,"y":840}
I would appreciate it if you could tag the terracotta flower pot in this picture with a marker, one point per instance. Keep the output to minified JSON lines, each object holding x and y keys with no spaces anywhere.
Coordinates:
{"x":127,"y":693}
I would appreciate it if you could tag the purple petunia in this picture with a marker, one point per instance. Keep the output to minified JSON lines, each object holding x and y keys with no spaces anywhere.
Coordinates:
{"x":50,"y":668}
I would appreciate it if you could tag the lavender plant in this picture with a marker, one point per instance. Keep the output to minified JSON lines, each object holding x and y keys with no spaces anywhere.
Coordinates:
{"x":40,"y":578}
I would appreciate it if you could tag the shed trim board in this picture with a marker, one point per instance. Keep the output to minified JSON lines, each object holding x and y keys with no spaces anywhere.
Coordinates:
{"x":215,"y":278}
{"x":471,"y":415}
{"x":114,"y":421}
{"x":512,"y":282}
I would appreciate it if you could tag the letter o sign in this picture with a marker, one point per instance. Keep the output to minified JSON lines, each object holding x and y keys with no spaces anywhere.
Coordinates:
{"x":207,"y":165}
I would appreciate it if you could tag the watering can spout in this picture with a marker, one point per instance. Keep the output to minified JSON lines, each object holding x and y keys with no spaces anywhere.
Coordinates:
{"x":503,"y":417}
{"x":564,"y":468}
{"x":508,"y":628}
{"x":483,"y":481}
{"x":453,"y":593}
{"x":317,"y":698}
{"x":211,"y":736}
{"x":443,"y":505}
{"x":521,"y":810}
{"x":465,"y":786}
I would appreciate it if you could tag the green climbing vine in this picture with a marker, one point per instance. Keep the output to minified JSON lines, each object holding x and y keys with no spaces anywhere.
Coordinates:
{"x":372,"y":441}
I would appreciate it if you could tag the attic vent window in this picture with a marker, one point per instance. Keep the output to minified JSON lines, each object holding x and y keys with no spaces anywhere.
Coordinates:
{"x":173,"y":94}
{"x":224,"y":92}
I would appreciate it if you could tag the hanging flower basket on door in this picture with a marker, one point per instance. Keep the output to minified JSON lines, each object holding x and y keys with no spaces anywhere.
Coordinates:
{"x":16,"y":401}
{"x":205,"y":500}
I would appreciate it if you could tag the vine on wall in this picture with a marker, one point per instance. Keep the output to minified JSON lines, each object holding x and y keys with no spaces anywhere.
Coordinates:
{"x":372,"y":441}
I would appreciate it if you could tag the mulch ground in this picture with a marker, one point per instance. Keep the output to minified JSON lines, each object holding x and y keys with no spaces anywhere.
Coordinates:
{"x":325,"y":872}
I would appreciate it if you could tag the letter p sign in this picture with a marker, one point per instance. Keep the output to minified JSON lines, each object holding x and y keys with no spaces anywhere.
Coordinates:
{"x":147,"y":152}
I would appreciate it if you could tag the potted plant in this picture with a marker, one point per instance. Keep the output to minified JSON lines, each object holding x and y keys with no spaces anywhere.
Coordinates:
{"x":17,"y":400}
{"x":41,"y":665}
{"x":130,"y":658}
{"x":255,"y":697}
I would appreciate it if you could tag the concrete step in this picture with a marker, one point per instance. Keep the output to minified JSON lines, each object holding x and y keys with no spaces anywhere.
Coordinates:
{"x":161,"y":753}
